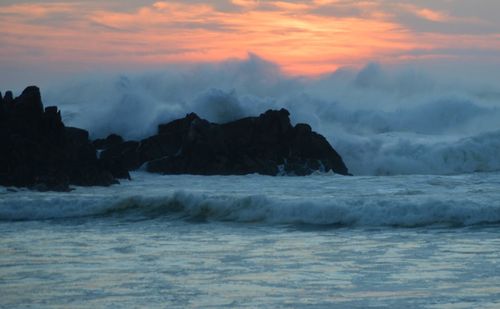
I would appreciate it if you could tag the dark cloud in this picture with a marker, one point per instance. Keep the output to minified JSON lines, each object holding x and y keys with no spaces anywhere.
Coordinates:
{"x":462,"y":16}
{"x":220,"y":5}
{"x":466,"y":16}
{"x":453,"y":25}
{"x":338,"y":10}
{"x":466,"y":51}
{"x":115,"y":5}
{"x":54,"y":19}
{"x":212,"y":26}
{"x":486,"y":10}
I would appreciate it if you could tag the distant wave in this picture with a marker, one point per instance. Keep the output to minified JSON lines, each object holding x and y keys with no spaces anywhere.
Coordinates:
{"x":413,"y":154}
{"x":393,"y":210}
{"x":382,"y":121}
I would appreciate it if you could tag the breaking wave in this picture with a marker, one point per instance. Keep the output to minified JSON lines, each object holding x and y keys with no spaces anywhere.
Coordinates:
{"x":397,"y":210}
{"x":382,"y":121}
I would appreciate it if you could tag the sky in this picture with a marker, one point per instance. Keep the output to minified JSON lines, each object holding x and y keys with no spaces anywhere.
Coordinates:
{"x":53,"y":39}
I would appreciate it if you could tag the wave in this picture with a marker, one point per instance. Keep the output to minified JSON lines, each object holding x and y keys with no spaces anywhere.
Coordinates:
{"x":408,"y":154}
{"x":399,"y":210}
{"x":382,"y":121}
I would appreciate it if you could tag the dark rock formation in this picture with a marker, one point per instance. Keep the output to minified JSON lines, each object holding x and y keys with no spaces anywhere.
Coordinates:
{"x":111,"y":140}
{"x":120,"y":158}
{"x":38,"y":151}
{"x":8,"y":100}
{"x":267,"y":145}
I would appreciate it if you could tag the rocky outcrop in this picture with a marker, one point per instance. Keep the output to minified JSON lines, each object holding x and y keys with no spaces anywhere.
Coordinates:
{"x":37,"y":150}
{"x":111,"y":140}
{"x":267,"y":145}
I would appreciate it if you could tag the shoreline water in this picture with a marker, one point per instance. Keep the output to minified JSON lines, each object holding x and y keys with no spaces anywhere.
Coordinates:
{"x":322,"y":199}
{"x":184,"y":264}
{"x":251,"y":241}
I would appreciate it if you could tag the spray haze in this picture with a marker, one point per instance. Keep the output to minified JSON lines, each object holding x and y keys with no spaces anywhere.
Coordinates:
{"x":382,"y":120}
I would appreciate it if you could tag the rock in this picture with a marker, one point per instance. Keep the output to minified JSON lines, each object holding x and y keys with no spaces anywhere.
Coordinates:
{"x":157,"y":146}
{"x":38,"y":151}
{"x":267,"y":145}
{"x":117,"y":156}
{"x":2,"y":109}
{"x":8,"y":100}
{"x":76,"y":135}
{"x":105,"y":143}
{"x":29,"y":103}
{"x":121,"y":158}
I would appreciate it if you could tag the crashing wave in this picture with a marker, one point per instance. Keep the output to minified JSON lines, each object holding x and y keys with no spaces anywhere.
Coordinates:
{"x":382,"y":122}
{"x":404,"y":209}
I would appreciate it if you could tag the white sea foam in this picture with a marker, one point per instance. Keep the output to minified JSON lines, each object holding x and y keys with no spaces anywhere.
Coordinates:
{"x":316,"y":200}
{"x":382,"y":121}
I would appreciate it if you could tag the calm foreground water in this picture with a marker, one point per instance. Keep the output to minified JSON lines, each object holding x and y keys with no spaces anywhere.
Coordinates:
{"x":252,"y":241}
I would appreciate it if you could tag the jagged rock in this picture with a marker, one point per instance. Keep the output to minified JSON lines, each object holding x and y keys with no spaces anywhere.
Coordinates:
{"x":39,"y":152}
{"x":8,"y":100}
{"x":267,"y":145}
{"x":29,"y":103}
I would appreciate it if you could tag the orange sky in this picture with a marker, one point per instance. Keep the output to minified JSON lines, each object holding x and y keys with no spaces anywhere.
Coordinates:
{"x":303,"y":37}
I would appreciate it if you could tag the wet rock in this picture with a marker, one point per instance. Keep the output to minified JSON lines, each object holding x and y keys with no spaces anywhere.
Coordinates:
{"x":8,"y":100}
{"x":120,"y":158}
{"x":110,"y":140}
{"x":267,"y":144}
{"x":40,"y":152}
{"x":29,"y":103}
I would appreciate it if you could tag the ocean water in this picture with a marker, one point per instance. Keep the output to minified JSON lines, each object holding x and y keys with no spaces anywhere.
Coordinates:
{"x":418,"y":227}
{"x":322,"y":241}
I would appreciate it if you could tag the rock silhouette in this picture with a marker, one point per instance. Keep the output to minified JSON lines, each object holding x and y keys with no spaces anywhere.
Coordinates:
{"x":267,"y":144}
{"x":39,"y":151}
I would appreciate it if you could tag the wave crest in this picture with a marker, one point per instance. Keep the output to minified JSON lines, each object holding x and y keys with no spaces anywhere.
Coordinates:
{"x":396,"y":210}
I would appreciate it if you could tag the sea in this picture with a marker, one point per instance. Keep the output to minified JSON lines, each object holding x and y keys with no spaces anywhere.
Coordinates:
{"x":417,"y":226}
{"x":321,"y":241}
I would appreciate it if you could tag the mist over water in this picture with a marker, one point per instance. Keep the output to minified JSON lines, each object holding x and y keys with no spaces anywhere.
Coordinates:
{"x":383,"y":121}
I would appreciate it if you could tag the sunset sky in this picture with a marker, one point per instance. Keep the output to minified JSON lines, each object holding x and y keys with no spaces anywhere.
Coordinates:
{"x":44,"y":39}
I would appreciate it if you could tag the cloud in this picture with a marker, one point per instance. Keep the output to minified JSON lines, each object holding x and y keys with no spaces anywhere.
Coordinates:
{"x":303,"y":37}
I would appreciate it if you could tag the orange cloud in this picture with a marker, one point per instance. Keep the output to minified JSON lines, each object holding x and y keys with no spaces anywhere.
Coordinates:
{"x":425,"y":13}
{"x":290,"y":34}
{"x":36,"y":10}
{"x":432,"y":15}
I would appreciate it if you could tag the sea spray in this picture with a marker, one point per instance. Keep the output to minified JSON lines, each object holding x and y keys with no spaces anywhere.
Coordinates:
{"x":382,"y":121}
